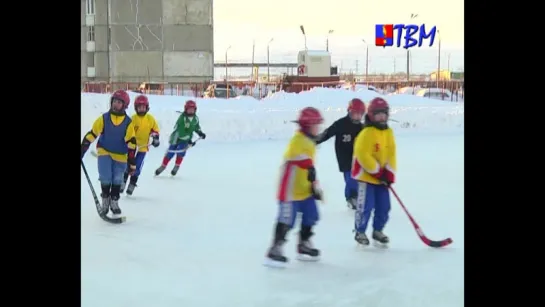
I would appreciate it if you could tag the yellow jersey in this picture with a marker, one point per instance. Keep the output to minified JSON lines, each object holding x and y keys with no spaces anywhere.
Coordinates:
{"x":144,"y":127}
{"x":373,"y":149}
{"x":298,"y":158}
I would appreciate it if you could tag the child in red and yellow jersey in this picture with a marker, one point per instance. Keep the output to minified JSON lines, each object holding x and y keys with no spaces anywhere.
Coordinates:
{"x":145,"y":126}
{"x":298,"y":190}
{"x":374,"y":166}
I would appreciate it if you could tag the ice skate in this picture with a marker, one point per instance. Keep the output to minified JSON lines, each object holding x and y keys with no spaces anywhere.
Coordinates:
{"x":115,"y":207}
{"x":275,"y":256}
{"x":380,"y":239}
{"x":159,"y":170}
{"x":105,"y":204}
{"x":361,"y":238}
{"x":175,"y":170}
{"x":130,"y":188}
{"x":307,"y":252}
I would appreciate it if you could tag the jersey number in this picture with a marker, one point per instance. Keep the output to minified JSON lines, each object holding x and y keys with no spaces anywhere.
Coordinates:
{"x":347,"y":138}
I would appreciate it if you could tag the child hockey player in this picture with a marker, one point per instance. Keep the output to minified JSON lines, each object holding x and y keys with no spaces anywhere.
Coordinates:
{"x":116,"y":147}
{"x":374,"y":166}
{"x":298,"y":190}
{"x":345,"y":131}
{"x":145,"y":126}
{"x":180,"y":139}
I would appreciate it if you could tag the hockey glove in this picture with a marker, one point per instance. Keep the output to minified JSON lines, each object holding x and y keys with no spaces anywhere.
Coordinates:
{"x":191,"y":144}
{"x":155,"y":140}
{"x":385,"y":176}
{"x":131,"y":161}
{"x":311,"y":174}
{"x":84,"y":146}
{"x":201,"y":134}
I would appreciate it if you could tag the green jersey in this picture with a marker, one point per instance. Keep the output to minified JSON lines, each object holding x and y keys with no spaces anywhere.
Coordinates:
{"x":184,"y":128}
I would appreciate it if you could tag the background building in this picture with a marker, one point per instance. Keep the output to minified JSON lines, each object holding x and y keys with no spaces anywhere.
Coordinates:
{"x":147,"y":40}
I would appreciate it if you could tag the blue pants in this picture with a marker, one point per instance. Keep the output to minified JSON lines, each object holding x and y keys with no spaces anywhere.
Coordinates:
{"x":287,"y":212}
{"x":372,"y":197}
{"x":139,"y":159}
{"x":110,"y":171}
{"x":350,"y":187}
{"x":180,"y":146}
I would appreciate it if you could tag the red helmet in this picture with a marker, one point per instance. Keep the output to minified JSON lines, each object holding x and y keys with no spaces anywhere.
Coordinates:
{"x":190,"y":104}
{"x":356,"y":105}
{"x":378,"y":105}
{"x":309,"y":116}
{"x":121,"y":95}
{"x":141,"y":100}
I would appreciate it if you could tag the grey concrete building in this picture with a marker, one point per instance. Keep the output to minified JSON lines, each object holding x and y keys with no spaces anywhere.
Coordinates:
{"x":141,"y":40}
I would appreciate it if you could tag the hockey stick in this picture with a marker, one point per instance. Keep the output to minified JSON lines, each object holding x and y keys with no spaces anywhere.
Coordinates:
{"x":421,"y":234}
{"x":117,"y":220}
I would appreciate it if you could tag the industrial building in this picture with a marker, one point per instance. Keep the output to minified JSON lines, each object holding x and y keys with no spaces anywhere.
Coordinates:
{"x":147,"y":40}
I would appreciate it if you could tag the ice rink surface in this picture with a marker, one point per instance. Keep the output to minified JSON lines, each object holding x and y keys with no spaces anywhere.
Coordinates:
{"x":199,"y":239}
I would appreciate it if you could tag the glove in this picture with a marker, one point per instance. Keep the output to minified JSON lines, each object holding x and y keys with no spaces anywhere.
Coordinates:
{"x":191,"y":144}
{"x":131,"y":161}
{"x":155,"y":140}
{"x":311,"y":174}
{"x":201,"y":134}
{"x":84,"y":147}
{"x":385,"y":176}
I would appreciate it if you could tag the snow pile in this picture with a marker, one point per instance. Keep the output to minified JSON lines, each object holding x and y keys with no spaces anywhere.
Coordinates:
{"x":245,"y":118}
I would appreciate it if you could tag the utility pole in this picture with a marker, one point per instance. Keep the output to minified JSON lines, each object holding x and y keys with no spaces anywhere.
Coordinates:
{"x":357,"y":67}
{"x":253,"y":58}
{"x":327,"y":40}
{"x":366,"y":61}
{"x":268,"y":62}
{"x":226,"y":71}
{"x":413,"y":16}
{"x":439,"y":59}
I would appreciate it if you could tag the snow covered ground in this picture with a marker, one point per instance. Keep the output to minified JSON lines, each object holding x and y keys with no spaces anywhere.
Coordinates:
{"x":199,"y":239}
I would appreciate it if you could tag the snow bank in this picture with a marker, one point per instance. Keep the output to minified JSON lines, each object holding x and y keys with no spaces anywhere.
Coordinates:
{"x":245,"y":118}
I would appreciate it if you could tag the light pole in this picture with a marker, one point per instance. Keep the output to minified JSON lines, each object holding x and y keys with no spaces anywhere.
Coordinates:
{"x":226,"y":75}
{"x":226,"y":62}
{"x":253,"y":55}
{"x":366,"y":61}
{"x":438,"y":59}
{"x":413,"y":16}
{"x":327,"y":40}
{"x":268,"y":61}
{"x":304,"y":35}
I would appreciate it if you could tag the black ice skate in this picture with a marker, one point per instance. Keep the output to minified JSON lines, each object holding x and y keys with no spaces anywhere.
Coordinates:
{"x":361,"y":238}
{"x":105,"y":203}
{"x":306,"y":252}
{"x":175,"y":170}
{"x":115,"y":206}
{"x":130,"y":189}
{"x":381,"y":238}
{"x":159,"y":170}
{"x":275,"y":256}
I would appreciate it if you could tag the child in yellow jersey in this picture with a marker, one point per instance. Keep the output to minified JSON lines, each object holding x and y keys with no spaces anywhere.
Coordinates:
{"x":373,"y":166}
{"x":145,"y":126}
{"x":116,"y":148}
{"x":298,"y":190}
